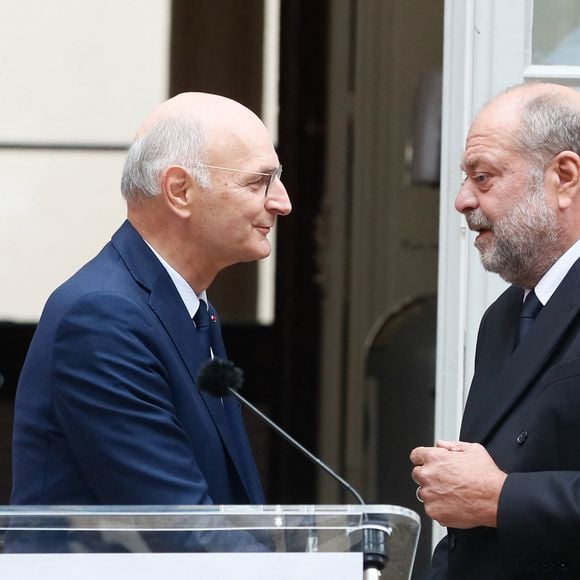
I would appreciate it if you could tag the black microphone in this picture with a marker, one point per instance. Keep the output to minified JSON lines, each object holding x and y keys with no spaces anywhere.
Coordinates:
{"x":1,"y":379}
{"x":221,"y":378}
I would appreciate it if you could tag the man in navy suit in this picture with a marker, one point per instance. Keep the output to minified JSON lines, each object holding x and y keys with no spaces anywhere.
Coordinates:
{"x":509,"y":490}
{"x":107,"y":407}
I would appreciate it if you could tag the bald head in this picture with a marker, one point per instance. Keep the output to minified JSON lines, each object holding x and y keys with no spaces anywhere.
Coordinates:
{"x":204,"y":108}
{"x":542,"y":119}
{"x":188,"y":130}
{"x":520,"y":95}
{"x":202,"y":184}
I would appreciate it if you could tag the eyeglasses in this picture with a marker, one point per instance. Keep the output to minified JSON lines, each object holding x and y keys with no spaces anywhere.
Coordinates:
{"x":275,"y":174}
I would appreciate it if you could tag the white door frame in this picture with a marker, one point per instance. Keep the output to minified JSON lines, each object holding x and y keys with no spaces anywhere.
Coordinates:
{"x":476,"y":35}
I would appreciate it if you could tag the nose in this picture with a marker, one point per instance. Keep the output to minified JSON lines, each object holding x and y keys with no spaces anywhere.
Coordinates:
{"x":277,"y":201}
{"x":466,"y":200}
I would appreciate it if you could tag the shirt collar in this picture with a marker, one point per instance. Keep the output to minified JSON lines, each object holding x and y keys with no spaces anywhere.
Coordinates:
{"x":552,"y":278}
{"x":186,"y":292}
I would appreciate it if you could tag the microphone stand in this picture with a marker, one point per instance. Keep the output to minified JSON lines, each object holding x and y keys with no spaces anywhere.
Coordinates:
{"x":374,"y":546}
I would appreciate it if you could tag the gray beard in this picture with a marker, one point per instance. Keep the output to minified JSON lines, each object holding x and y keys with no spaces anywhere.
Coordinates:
{"x":527,"y":240}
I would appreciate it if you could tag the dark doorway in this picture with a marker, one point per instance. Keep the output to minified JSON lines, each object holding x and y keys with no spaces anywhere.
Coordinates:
{"x":14,"y":341}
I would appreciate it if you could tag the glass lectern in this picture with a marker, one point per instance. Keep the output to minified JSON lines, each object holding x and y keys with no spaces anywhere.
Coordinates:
{"x":208,"y":542}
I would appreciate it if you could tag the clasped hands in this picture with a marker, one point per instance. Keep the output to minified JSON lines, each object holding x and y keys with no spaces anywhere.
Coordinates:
{"x":460,"y":484}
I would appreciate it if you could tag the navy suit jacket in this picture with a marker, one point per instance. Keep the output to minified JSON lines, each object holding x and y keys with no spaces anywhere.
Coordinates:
{"x":524,"y":407}
{"x":107,"y":408}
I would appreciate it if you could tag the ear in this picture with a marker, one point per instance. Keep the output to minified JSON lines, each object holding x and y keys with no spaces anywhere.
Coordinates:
{"x":565,"y":175}
{"x":176,"y":186}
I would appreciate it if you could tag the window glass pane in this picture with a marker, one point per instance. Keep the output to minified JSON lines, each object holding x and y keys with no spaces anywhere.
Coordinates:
{"x":556,"y":32}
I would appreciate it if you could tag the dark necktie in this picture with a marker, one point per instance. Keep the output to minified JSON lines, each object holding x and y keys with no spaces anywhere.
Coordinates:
{"x":201,"y":320}
{"x":530,"y":309}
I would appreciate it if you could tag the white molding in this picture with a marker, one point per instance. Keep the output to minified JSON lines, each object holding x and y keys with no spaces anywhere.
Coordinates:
{"x":566,"y":75}
{"x":478,"y":37}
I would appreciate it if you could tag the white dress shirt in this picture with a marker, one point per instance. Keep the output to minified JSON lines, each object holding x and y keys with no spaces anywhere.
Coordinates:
{"x":554,"y":276}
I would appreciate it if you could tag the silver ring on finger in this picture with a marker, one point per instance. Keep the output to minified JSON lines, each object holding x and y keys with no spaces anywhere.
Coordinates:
{"x":418,"y":494}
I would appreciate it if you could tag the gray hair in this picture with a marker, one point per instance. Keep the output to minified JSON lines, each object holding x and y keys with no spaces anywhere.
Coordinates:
{"x":549,"y":124}
{"x":172,"y":141}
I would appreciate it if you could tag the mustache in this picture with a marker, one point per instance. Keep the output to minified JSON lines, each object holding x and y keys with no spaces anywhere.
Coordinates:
{"x":476,"y":220}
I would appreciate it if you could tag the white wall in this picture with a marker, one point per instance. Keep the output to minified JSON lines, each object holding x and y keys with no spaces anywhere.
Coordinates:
{"x":71,"y":73}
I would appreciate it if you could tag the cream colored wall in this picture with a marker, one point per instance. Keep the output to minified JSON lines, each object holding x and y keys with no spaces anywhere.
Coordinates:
{"x":56,"y":210}
{"x":72,"y":73}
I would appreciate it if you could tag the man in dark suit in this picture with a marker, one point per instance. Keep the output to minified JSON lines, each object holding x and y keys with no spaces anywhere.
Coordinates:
{"x":107,"y":407}
{"x":509,"y":490}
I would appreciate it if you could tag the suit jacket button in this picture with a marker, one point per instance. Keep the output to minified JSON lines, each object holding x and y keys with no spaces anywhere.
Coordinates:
{"x":521,"y":438}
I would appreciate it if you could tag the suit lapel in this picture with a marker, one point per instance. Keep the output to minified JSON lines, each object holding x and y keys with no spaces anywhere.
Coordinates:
{"x":164,"y":298}
{"x":165,"y":301}
{"x":498,"y":387}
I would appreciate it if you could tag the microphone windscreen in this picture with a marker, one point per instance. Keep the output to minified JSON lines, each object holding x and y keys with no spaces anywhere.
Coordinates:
{"x":218,"y":375}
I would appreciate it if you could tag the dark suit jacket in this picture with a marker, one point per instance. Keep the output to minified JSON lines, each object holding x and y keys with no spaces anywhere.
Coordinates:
{"x":524,"y":407}
{"x":107,"y":408}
